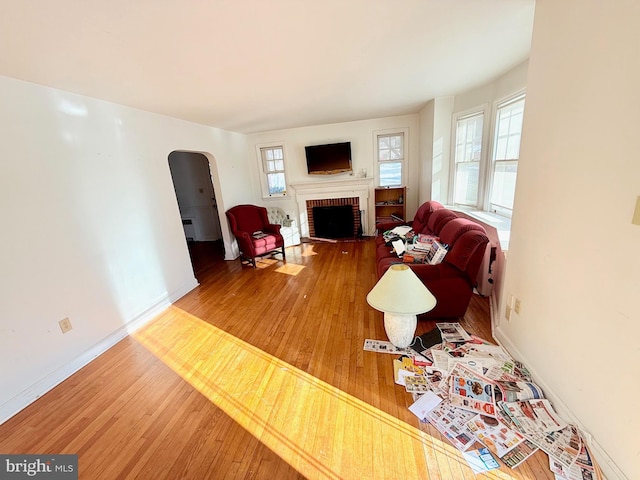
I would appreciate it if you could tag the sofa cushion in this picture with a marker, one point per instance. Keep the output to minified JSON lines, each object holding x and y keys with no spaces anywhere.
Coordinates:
{"x":438,"y":220}
{"x":421,"y":217}
{"x":264,"y":244}
{"x":464,"y":253}
{"x":456,"y":227}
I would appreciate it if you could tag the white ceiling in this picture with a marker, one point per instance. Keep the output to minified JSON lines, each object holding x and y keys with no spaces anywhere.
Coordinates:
{"x":259,"y":65}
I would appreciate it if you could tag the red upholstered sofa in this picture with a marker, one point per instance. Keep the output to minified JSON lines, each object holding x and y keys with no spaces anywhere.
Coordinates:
{"x":452,"y":281}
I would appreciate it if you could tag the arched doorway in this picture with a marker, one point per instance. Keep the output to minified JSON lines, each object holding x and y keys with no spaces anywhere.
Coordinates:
{"x":198,"y":207}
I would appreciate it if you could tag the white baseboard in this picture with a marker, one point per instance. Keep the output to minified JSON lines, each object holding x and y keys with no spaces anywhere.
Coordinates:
{"x":39,"y":388}
{"x":609,"y":468}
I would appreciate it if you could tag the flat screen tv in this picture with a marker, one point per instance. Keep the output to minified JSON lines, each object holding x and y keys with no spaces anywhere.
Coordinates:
{"x":328,"y":159}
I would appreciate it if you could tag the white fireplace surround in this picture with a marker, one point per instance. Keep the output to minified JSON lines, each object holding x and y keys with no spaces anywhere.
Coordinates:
{"x":353,"y":187}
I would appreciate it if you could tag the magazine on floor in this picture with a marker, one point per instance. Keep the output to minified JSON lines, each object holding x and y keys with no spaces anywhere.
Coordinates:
{"x":471,"y":391}
{"x":452,"y":423}
{"x":453,"y":332}
{"x":508,"y":445}
{"x":536,"y":420}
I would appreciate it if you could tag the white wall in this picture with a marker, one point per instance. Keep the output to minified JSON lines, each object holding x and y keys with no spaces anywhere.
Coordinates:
{"x":441,"y":150}
{"x":507,"y":84}
{"x":425,"y":119}
{"x":360,"y":134}
{"x":91,"y":227}
{"x":573,"y":258}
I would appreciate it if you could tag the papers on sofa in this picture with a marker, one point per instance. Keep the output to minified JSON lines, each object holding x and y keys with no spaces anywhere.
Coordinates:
{"x":398,"y":246}
{"x":401,"y":230}
{"x":423,"y":242}
{"x":436,"y":253}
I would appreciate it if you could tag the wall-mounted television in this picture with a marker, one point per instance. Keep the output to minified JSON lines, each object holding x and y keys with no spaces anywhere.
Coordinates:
{"x":328,"y":159}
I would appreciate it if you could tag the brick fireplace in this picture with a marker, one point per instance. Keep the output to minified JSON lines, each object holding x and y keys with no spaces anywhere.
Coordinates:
{"x":353,"y":191}
{"x":353,"y":202}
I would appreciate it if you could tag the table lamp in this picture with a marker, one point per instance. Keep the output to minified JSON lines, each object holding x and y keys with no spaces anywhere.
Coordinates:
{"x":401,"y":295}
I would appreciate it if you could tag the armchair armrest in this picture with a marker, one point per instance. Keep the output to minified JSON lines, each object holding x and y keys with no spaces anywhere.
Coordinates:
{"x":272,"y":228}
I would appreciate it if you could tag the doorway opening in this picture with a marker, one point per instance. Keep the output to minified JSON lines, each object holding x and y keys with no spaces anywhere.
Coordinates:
{"x":196,"y":198}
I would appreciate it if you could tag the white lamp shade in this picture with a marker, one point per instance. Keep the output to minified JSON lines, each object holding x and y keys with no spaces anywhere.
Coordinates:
{"x":400,"y":291}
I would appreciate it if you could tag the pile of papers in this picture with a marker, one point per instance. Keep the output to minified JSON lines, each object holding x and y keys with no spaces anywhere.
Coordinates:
{"x":415,"y":248}
{"x":473,"y":391}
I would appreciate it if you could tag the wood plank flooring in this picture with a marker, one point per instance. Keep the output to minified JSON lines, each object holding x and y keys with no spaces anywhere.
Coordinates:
{"x":257,"y":373}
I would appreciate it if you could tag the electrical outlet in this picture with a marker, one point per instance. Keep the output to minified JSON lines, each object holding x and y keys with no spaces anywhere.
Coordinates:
{"x":516,"y":306}
{"x":65,"y":325}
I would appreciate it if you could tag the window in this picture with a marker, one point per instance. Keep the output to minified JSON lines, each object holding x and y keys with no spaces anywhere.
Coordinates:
{"x":506,"y":152}
{"x":390,"y":148}
{"x":467,"y":158}
{"x":484,"y":164}
{"x":273,"y":167}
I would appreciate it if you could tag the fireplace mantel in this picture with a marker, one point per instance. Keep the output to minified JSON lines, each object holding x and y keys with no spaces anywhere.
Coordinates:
{"x":353,"y":187}
{"x":342,"y":185}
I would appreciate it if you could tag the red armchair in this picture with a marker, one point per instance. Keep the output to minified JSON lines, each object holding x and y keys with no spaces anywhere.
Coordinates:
{"x":244,"y":221}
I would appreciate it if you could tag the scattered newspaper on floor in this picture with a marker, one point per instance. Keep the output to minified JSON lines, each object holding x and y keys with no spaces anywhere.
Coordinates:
{"x":453,"y":332}
{"x":480,"y":460}
{"x":381,"y":346}
{"x":474,"y":392}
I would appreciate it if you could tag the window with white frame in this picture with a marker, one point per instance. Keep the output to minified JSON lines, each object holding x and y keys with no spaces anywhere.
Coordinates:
{"x":273,"y":168}
{"x":484,"y":178}
{"x":506,"y":152}
{"x":391,"y":158}
{"x":467,"y":159}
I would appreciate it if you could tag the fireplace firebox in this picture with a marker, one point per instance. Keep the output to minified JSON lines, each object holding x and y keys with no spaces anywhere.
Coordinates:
{"x":335,"y":221}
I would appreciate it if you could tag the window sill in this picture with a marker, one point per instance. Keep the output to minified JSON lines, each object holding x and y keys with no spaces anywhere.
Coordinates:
{"x":500,"y":223}
{"x":274,"y":195}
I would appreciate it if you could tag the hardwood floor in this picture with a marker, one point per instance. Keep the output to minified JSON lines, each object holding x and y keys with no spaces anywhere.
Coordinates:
{"x":257,"y":373}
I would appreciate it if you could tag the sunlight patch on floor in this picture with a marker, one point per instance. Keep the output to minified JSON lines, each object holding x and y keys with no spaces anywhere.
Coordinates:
{"x":266,"y":262}
{"x":290,"y":269}
{"x":318,"y":429}
{"x":309,"y":251}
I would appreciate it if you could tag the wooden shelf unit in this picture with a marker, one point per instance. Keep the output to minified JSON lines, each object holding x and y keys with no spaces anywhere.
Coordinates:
{"x":390,"y":200}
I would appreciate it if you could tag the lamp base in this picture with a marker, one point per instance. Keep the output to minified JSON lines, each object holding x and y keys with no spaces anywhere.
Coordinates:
{"x":400,"y":329}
